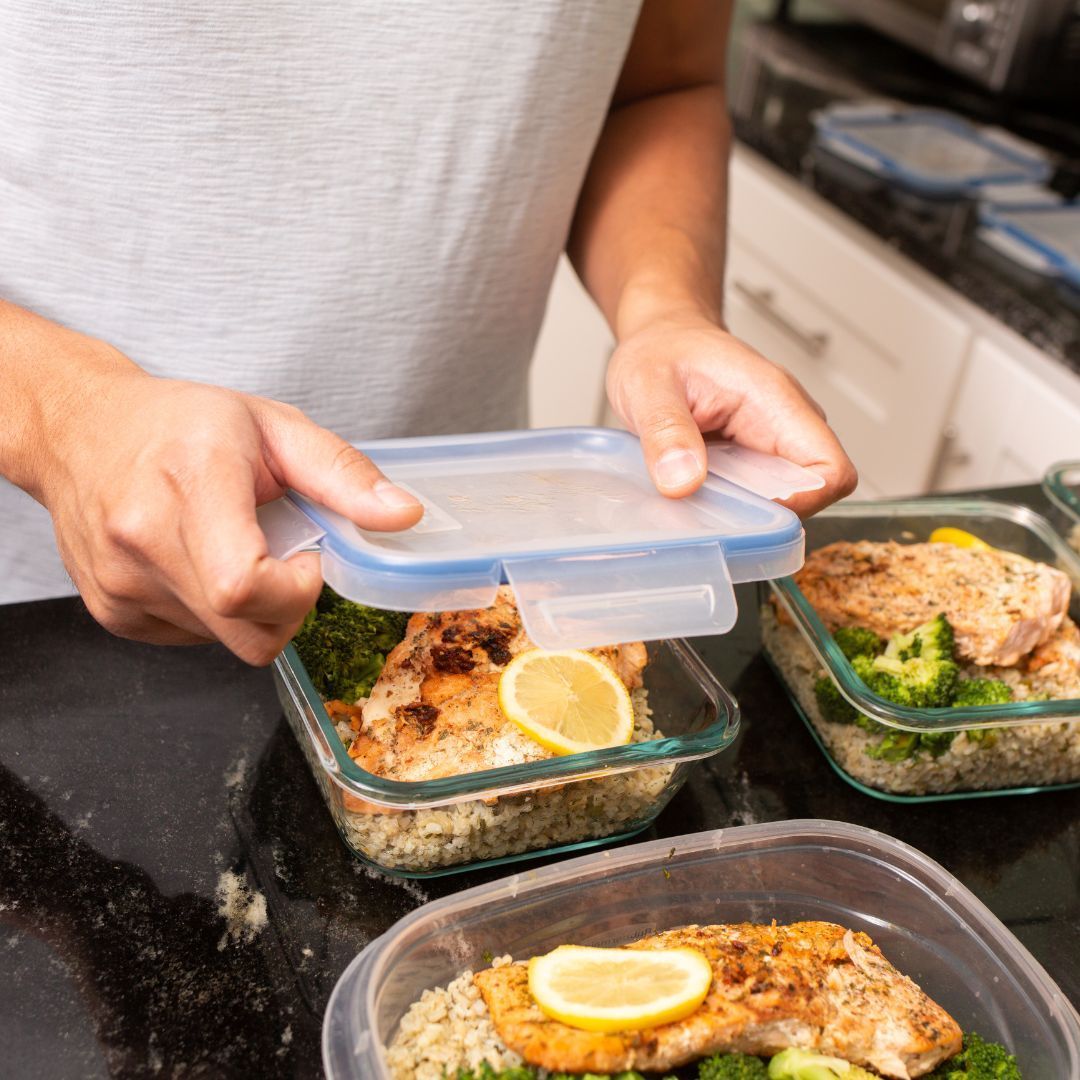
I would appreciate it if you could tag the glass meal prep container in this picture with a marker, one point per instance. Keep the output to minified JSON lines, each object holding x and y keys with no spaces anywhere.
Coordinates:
{"x":928,"y":924}
{"x":561,"y":804}
{"x":1028,"y":746}
{"x":570,"y":521}
{"x":1062,"y":487}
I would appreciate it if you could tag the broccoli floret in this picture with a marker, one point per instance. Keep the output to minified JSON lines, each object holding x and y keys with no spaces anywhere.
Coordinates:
{"x":894,"y":746}
{"x":935,"y":743}
{"x":833,"y":705}
{"x":979,"y":1060}
{"x":343,"y":645}
{"x":981,"y":692}
{"x":857,"y":641}
{"x":921,"y":682}
{"x":732,"y":1067}
{"x":934,"y":640}
{"x":810,"y":1065}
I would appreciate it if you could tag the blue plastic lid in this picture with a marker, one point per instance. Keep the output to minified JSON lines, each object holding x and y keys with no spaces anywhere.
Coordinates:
{"x":927,"y":150}
{"x":1044,"y":238}
{"x":570,"y":519}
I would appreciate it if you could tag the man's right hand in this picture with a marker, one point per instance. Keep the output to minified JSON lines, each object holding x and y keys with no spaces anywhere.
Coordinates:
{"x":152,"y":486}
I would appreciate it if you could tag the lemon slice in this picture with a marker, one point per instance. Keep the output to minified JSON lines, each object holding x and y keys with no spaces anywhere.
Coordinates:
{"x":947,"y":534}
{"x":619,"y":989}
{"x":568,"y":701}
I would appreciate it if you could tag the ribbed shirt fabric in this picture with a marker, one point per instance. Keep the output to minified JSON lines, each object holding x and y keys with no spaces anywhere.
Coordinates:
{"x":355,"y":206}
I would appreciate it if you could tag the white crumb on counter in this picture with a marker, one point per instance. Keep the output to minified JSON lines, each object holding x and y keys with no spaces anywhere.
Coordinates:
{"x":242,"y":907}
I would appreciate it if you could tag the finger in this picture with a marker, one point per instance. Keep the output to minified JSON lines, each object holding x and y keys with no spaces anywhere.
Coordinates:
{"x":673,"y":446}
{"x":323,"y":466}
{"x":135,"y":624}
{"x":819,"y":450}
{"x":234,"y":576}
{"x":258,"y":643}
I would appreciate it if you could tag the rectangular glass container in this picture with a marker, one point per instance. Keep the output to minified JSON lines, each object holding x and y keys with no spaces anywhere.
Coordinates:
{"x":561,"y":804}
{"x":928,"y":924}
{"x":1035,"y":745}
{"x":1062,"y":487}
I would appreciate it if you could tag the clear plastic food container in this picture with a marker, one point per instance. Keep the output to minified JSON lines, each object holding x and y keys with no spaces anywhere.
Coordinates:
{"x":1062,"y":487}
{"x":930,"y":926}
{"x":570,"y":803}
{"x":1034,"y":745}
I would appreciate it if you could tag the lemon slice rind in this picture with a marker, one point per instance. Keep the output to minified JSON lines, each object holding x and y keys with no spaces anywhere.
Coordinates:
{"x":949,"y":534}
{"x":609,"y":990}
{"x":567,"y":700}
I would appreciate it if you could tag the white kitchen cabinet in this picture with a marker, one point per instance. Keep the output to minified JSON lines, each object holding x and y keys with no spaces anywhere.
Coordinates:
{"x":926,"y":391}
{"x":881,"y":355}
{"x":1008,"y":423}
{"x":566,"y":381}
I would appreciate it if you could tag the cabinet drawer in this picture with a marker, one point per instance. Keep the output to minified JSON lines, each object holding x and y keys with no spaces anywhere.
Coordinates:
{"x":844,"y":267}
{"x":1007,"y":425}
{"x":887,"y":413}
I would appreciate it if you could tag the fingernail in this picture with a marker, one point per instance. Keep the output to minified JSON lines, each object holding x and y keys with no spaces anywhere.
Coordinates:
{"x":676,"y":469}
{"x":391,"y":495}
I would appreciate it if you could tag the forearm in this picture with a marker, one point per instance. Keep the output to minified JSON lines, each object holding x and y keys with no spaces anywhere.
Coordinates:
{"x":648,"y":238}
{"x":47,"y":372}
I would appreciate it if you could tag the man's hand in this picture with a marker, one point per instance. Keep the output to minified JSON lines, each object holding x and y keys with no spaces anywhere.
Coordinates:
{"x":649,"y":242}
{"x":152,"y":486}
{"x":682,"y":375}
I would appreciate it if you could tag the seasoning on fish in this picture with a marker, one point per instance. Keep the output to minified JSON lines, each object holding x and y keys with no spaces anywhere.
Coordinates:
{"x":812,"y":985}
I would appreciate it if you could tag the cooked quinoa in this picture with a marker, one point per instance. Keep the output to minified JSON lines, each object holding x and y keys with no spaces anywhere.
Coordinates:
{"x":448,"y":1029}
{"x":466,"y":832}
{"x":1033,"y":754}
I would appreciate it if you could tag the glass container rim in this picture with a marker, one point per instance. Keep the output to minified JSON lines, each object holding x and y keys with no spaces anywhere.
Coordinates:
{"x":515,"y":779}
{"x":1059,"y":491}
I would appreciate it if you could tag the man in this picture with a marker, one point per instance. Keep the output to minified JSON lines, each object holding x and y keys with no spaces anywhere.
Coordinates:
{"x":355,"y":208}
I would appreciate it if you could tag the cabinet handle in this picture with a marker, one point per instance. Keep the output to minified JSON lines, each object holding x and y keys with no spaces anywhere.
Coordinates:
{"x":763,"y":301}
{"x":950,"y":455}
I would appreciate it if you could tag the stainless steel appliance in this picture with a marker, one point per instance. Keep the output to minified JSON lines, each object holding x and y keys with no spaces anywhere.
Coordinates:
{"x":1025,"y":47}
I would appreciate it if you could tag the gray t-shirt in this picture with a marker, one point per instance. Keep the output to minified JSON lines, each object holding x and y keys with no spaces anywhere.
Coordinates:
{"x":355,"y":207}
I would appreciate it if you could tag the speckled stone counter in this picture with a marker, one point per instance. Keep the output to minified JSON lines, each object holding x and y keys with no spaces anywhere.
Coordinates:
{"x":174,"y":900}
{"x":782,"y":74}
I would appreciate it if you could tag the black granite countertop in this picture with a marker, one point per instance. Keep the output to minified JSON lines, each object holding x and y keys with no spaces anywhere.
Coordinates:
{"x":175,"y":901}
{"x":784,"y":73}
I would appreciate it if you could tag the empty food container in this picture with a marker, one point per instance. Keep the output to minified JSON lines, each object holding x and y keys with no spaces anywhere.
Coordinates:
{"x":1062,"y":487}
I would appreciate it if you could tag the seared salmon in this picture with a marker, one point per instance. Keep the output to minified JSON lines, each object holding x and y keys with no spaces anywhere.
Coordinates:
{"x":1001,"y":605}
{"x":434,"y":710}
{"x":812,"y":985}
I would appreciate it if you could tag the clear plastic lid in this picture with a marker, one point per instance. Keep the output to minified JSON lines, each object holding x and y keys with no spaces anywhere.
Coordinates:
{"x":928,"y":150}
{"x":570,"y":519}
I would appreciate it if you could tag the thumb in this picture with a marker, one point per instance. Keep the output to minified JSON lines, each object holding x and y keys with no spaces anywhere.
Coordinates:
{"x":324,"y":467}
{"x":673,"y":446}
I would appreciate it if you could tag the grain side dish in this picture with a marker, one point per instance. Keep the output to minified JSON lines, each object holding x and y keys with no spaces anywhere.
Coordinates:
{"x":426,"y":707}
{"x":821,"y":1001}
{"x":932,"y":625}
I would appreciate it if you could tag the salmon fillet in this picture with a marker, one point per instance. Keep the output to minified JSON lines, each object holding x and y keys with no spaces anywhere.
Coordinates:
{"x":434,"y":710}
{"x":1001,"y":605}
{"x":1052,"y":669}
{"x":812,"y":985}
